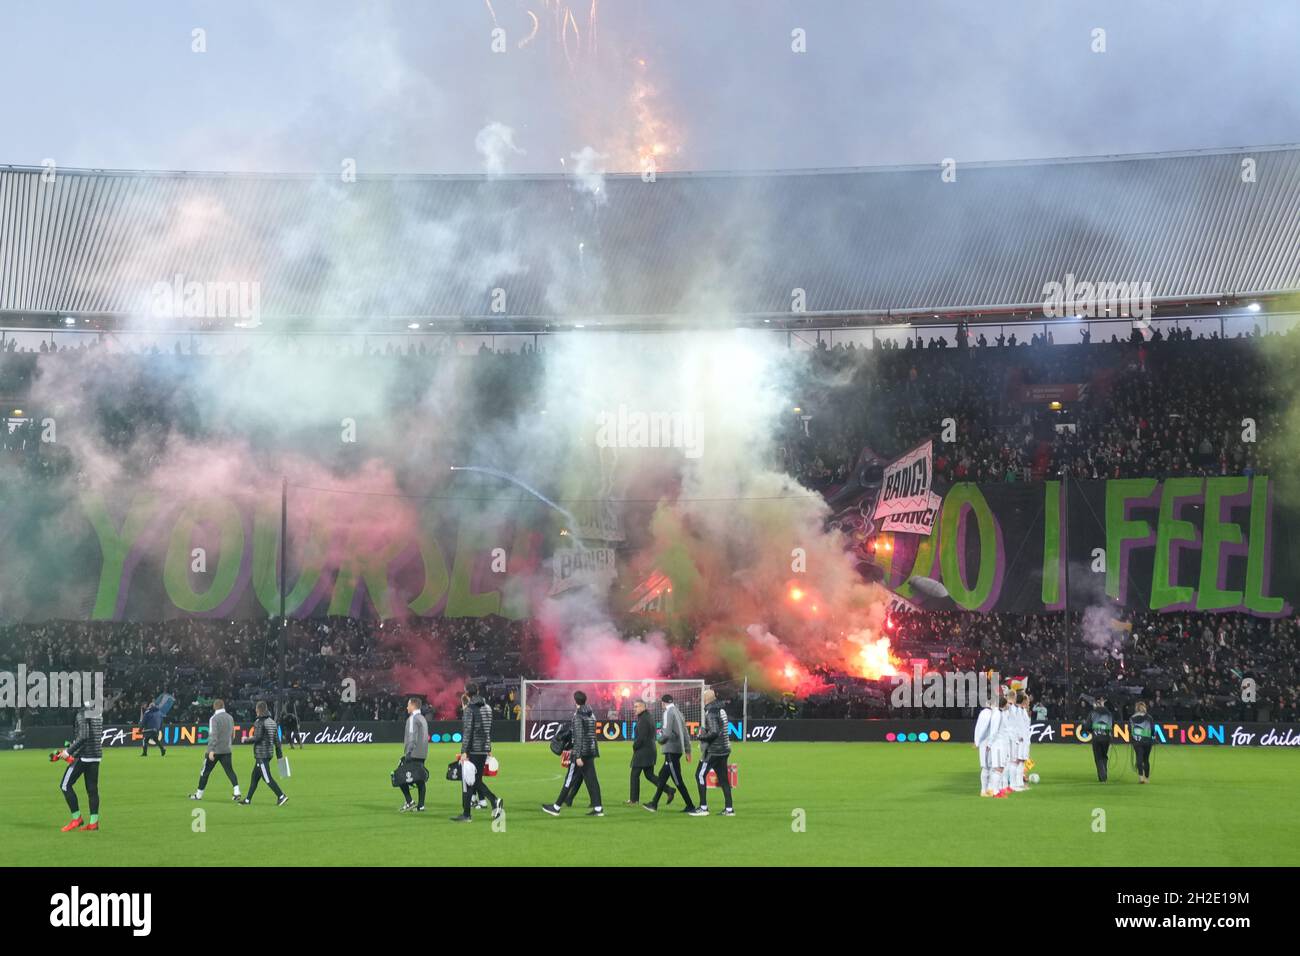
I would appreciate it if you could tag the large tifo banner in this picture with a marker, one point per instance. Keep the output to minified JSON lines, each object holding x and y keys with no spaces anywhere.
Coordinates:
{"x":147,"y":556}
{"x":1206,"y":544}
{"x":1210,"y":544}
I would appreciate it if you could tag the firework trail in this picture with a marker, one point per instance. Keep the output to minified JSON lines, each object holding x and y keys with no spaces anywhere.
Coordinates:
{"x":573,"y":522}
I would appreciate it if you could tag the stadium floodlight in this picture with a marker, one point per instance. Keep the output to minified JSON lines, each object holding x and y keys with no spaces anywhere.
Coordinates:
{"x":545,"y":704}
{"x":1253,"y":307}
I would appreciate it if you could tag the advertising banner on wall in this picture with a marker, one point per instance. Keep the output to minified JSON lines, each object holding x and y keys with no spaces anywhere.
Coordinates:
{"x":1218,"y":733}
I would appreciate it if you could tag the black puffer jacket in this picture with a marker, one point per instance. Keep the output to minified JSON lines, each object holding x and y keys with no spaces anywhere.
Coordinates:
{"x":476,"y":732}
{"x":713,"y":732}
{"x":584,"y":733}
{"x":266,"y":741}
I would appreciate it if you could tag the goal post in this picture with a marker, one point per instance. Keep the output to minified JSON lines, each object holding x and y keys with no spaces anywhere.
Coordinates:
{"x":545,"y":704}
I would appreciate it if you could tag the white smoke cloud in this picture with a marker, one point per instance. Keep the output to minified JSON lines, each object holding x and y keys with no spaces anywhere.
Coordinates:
{"x":495,"y":142}
{"x":589,"y":173}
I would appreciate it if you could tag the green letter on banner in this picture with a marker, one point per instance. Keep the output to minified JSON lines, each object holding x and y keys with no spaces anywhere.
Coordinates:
{"x":176,"y":571}
{"x":920,"y":564}
{"x":435,"y":574}
{"x":1168,"y":530}
{"x":1052,"y":544}
{"x":461,"y":601}
{"x":1119,"y":491}
{"x":967,"y":493}
{"x":114,"y":547}
{"x":364,"y":562}
{"x":1257,"y":556}
{"x":266,"y":562}
{"x":1217,"y":534}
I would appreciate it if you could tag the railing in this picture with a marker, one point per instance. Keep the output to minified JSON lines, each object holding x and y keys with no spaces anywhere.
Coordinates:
{"x":1229,"y":323}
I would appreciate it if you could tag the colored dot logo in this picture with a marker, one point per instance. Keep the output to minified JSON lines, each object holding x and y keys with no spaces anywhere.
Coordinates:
{"x":924,"y":736}
{"x":445,"y":738}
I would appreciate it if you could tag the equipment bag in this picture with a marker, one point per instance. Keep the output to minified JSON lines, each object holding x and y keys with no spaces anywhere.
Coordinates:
{"x":562,"y":741}
{"x":409,"y":773}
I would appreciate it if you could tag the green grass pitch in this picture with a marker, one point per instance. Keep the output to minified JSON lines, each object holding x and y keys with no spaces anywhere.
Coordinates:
{"x":863,"y":804}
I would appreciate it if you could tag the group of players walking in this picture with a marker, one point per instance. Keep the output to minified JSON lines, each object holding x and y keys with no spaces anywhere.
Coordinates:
{"x":577,"y":742}
{"x":475,"y":759}
{"x":221,"y":738}
{"x":85,"y":752}
{"x":673,"y":740}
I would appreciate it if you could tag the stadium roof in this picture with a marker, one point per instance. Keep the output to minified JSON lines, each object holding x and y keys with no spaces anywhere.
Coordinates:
{"x":858,"y":242}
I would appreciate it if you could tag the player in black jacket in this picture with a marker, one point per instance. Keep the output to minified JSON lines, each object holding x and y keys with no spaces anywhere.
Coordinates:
{"x":715,"y":745}
{"x":476,"y":748}
{"x":582,"y":760}
{"x":83,"y":756}
{"x":643,"y":754}
{"x":266,"y":744}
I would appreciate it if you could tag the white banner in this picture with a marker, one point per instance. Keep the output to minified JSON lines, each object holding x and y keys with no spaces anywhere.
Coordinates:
{"x":593,"y":567}
{"x":905,"y":485}
{"x":915,"y":522}
{"x":898,"y":603}
{"x":599,"y":520}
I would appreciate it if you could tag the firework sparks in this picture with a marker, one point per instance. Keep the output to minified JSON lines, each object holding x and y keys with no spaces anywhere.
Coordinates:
{"x":533,"y":35}
{"x":633,"y":130}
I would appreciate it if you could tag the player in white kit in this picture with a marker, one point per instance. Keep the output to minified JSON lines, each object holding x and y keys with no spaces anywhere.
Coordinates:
{"x":987,"y":727}
{"x":1029,"y":722}
{"x":1004,"y":746}
{"x":1019,"y":742}
{"x":1017,"y":735}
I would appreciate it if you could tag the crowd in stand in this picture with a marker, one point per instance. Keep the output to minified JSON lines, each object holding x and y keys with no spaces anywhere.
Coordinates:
{"x":1167,"y":405}
{"x":1189,"y":667}
{"x":334,"y":669}
{"x":1161,"y":408}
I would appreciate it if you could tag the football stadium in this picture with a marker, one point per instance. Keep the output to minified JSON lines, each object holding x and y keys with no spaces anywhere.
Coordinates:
{"x":500,"y":511}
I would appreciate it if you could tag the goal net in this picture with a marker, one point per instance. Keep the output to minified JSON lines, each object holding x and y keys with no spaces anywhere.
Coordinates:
{"x":547,"y":704}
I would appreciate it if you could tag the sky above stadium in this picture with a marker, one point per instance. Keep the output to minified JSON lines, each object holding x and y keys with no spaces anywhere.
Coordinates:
{"x":416,"y":86}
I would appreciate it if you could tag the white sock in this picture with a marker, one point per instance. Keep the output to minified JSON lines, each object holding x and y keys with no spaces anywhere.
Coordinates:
{"x":198,"y":793}
{"x":236,"y":791}
{"x":984,"y":780}
{"x":1000,"y":779}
